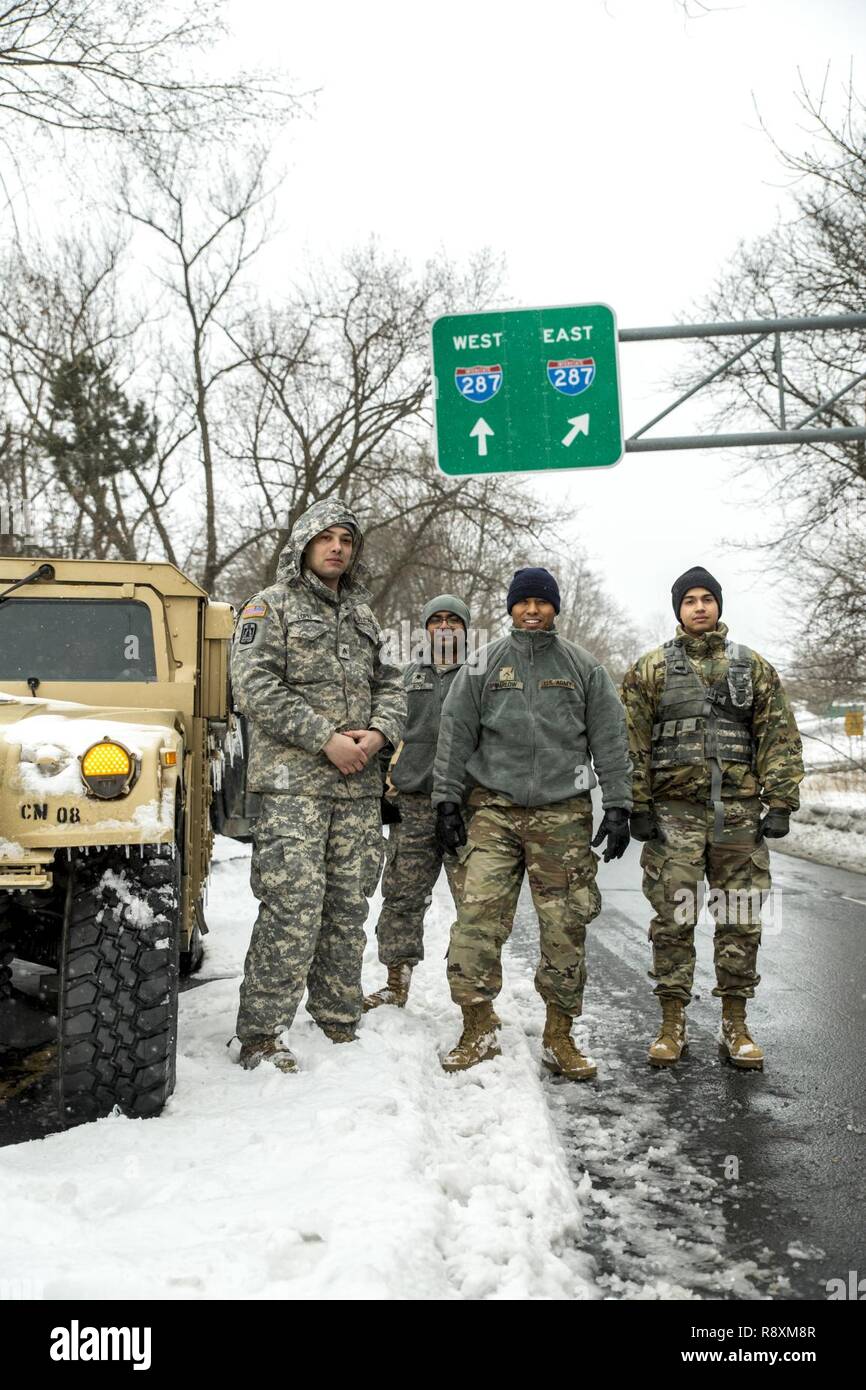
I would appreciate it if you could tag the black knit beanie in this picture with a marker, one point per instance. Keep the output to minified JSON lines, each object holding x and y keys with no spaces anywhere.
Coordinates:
{"x":695,"y":578}
{"x":533,"y":583}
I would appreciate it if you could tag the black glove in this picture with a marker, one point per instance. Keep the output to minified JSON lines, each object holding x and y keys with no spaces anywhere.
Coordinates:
{"x":450,"y":829}
{"x":390,"y":812}
{"x":614,"y":827}
{"x":774,"y":825}
{"x":642,"y":826}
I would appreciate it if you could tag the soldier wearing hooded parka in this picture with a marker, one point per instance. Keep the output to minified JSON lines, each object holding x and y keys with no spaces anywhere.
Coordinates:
{"x":321,"y":704}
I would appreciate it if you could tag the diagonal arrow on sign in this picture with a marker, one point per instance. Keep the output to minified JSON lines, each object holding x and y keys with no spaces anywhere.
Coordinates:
{"x":579,"y":425}
{"x":480,"y":431}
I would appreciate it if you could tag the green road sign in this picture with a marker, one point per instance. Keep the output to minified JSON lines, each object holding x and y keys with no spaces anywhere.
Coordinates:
{"x":522,"y":390}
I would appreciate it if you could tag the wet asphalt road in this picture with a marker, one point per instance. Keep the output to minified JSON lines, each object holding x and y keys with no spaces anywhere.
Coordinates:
{"x":705,"y":1181}
{"x":722,"y":1183}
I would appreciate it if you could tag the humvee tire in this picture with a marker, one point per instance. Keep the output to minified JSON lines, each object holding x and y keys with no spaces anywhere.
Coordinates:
{"x":117,"y":1014}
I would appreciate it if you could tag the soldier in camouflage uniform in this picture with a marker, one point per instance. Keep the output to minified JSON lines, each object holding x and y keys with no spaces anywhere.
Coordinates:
{"x":321,"y":704}
{"x":712,"y":736}
{"x":522,"y":725}
{"x":415,"y":854}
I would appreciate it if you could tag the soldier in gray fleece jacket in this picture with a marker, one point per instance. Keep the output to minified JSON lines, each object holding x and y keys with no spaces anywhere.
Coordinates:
{"x":526,"y":726}
{"x":416,"y":855}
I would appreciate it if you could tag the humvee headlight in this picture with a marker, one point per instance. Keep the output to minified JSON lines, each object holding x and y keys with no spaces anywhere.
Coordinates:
{"x":107,"y":769}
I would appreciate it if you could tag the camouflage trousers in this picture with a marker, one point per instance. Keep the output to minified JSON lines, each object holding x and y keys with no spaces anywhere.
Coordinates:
{"x":414,"y":859}
{"x":315,"y":863}
{"x":738,"y":873}
{"x":551,"y":844}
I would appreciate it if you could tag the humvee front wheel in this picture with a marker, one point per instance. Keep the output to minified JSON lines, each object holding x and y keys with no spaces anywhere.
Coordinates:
{"x":119,"y":983}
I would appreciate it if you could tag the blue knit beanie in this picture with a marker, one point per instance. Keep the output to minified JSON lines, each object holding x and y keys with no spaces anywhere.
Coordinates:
{"x":533,"y":583}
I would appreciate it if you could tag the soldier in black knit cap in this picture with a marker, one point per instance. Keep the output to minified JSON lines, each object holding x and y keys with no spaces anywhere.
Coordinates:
{"x":712,"y":737}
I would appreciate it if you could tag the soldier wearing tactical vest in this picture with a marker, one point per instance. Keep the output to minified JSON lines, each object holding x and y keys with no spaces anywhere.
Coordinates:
{"x":525,"y":721}
{"x":712,"y":737}
{"x":415,"y":852}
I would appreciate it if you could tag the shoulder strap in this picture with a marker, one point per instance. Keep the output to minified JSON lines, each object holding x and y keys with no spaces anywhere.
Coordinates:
{"x":676,"y":661}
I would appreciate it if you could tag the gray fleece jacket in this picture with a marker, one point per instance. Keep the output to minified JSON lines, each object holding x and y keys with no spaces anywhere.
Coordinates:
{"x":527,"y":717}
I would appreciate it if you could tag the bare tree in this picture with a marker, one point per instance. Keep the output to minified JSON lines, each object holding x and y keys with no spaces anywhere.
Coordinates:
{"x":813,"y":506}
{"x":210,"y":229}
{"x":335,"y":403}
{"x":590,"y":617}
{"x":86,"y":467}
{"x":124,"y":67}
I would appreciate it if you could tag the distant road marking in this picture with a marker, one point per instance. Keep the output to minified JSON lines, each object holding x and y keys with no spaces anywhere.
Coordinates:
{"x":861,"y":901}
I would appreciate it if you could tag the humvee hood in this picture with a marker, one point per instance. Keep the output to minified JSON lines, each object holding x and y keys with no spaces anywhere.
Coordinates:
{"x":317,"y":518}
{"x":74,"y":727}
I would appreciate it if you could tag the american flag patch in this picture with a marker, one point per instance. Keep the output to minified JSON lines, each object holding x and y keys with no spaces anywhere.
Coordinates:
{"x":255,"y":610}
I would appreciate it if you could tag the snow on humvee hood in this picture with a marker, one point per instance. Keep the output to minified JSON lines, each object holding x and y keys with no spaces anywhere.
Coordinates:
{"x":61,"y":730}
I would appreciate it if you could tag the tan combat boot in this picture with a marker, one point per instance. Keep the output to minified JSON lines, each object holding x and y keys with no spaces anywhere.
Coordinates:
{"x":560,"y":1054}
{"x":257,"y":1050}
{"x":672,"y":1040}
{"x":736,"y":1043}
{"x":478,"y":1041}
{"x":394,"y":991}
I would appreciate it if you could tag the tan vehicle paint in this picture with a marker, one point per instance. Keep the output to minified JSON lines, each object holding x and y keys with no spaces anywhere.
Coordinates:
{"x":173,"y":722}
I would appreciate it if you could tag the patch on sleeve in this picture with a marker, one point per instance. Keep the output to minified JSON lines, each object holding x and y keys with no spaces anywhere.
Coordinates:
{"x":248,"y":634}
{"x":255,"y":610}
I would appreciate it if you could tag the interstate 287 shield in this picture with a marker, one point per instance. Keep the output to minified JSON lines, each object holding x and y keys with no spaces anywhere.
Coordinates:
{"x":571,"y":375}
{"x":478,"y":384}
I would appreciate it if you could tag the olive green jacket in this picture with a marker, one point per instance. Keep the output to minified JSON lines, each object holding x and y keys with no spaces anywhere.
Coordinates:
{"x":527,"y":717}
{"x":426,"y":687}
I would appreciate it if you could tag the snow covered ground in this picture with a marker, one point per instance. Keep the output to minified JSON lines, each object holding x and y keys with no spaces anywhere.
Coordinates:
{"x":825,"y":743}
{"x":369,"y":1175}
{"x":831,"y":825}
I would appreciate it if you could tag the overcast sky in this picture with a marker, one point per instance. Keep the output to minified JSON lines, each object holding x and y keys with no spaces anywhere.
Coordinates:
{"x":610,"y":151}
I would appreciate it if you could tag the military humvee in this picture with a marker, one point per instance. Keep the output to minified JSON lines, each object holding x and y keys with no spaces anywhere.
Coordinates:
{"x":114,"y":726}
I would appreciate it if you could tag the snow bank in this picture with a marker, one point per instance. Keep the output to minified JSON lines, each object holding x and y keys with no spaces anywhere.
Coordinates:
{"x":830,"y":826}
{"x":369,"y":1175}
{"x":823,"y":844}
{"x":825,"y":743}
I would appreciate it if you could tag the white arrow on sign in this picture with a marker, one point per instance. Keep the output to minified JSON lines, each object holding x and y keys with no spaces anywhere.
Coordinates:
{"x":480,"y":431}
{"x":579,"y":425}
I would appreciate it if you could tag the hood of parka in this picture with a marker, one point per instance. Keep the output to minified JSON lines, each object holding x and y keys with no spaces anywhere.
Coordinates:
{"x":328,"y":512}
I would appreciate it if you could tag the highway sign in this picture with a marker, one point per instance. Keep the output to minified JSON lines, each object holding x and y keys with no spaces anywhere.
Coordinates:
{"x":524,"y":390}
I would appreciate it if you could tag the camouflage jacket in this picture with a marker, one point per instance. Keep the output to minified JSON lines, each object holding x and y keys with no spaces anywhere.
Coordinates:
{"x":528,"y":716}
{"x":306,"y":664}
{"x":778,"y":764}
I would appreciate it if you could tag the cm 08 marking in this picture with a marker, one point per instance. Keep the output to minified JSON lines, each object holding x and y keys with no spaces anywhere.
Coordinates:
{"x":38,"y":810}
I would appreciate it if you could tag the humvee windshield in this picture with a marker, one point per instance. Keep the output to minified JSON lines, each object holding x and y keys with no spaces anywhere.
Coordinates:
{"x":76,"y":639}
